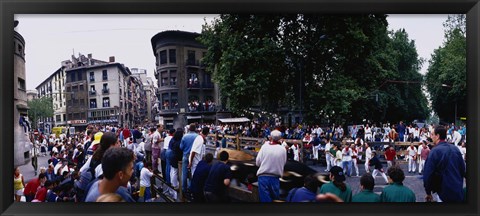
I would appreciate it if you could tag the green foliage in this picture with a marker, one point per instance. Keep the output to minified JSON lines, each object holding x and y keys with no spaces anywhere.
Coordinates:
{"x":448,"y":67}
{"x":40,"y":108}
{"x":330,"y":67}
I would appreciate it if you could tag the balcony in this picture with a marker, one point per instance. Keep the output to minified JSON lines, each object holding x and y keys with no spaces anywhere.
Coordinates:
{"x":106,"y":91}
{"x":207,"y":85}
{"x":194,"y":85}
{"x":93,"y":92}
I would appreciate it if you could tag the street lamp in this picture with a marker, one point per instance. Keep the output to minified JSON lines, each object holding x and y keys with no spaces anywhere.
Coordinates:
{"x":450,"y":87}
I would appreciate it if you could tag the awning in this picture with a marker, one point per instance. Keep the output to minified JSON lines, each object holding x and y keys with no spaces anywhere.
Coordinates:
{"x":194,"y":117}
{"x":233,"y":120}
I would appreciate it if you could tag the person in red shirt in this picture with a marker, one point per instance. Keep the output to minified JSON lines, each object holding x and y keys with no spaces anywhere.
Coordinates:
{"x":390,"y":156}
{"x":41,"y":194}
{"x":32,"y":187}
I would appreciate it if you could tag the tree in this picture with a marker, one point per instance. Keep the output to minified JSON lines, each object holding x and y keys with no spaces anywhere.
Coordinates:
{"x":328,"y":67}
{"x":40,"y":108}
{"x":446,"y":75}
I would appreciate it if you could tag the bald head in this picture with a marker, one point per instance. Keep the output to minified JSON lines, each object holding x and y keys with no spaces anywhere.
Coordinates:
{"x":276,"y":135}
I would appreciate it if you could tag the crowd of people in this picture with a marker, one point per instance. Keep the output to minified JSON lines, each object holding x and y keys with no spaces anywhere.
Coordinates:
{"x":108,"y":163}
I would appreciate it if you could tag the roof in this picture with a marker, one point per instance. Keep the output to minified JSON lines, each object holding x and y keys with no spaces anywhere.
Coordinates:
{"x":231,"y":120}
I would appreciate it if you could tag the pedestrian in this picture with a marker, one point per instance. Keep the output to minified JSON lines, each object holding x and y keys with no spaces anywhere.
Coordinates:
{"x":378,"y":167}
{"x":218,"y":180}
{"x":444,"y":177}
{"x":368,"y":156}
{"x":390,"y":156}
{"x":396,"y":191}
{"x":355,"y":158}
{"x":148,"y":144}
{"x":307,"y":193}
{"x":411,"y":158}
{"x":186,"y":145}
{"x":347,"y":153}
{"x":367,"y":182}
{"x":174,"y":155}
{"x":117,"y":166}
{"x":145,"y":175}
{"x":315,"y":147}
{"x":164,"y":153}
{"x":157,"y":145}
{"x":328,"y":154}
{"x":423,"y":156}
{"x":18,"y":184}
{"x":198,"y":150}
{"x":337,"y":185}
{"x":199,"y":178}
{"x":270,"y":160}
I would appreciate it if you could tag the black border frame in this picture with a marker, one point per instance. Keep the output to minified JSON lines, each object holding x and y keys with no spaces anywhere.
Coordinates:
{"x":10,"y":7}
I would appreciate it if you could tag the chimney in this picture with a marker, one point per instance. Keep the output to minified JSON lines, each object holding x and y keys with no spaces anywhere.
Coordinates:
{"x":112,"y":59}
{"x":89,"y":56}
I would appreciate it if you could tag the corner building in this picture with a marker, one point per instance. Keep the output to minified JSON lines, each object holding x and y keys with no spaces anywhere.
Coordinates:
{"x":186,"y":93}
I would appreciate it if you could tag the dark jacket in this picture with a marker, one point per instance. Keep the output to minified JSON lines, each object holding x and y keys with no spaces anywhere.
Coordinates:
{"x":375,"y":162}
{"x":445,"y":166}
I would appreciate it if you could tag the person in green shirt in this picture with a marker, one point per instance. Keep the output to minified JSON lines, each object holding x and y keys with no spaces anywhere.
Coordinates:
{"x":337,"y":185}
{"x":396,"y":191}
{"x":367,"y":182}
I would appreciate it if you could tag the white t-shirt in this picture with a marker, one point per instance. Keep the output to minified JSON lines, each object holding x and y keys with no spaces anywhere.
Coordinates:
{"x":145,"y":176}
{"x":167,"y":142}
{"x":368,"y":153}
{"x":347,"y":155}
{"x":155,"y":138}
{"x":199,"y":148}
{"x":411,"y":152}
{"x":456,"y":137}
{"x":327,"y":151}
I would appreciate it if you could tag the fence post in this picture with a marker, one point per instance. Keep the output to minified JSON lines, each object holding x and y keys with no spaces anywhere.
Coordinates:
{"x":238,"y":142}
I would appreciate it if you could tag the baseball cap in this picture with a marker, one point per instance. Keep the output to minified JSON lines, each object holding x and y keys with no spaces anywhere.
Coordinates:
{"x":97,"y":138}
{"x":337,"y":172}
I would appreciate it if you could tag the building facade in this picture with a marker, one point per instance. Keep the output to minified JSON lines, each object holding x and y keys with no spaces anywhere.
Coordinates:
{"x":22,"y":144}
{"x":185,"y":91}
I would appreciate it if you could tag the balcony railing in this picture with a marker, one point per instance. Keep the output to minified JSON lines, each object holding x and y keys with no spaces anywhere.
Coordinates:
{"x":93,"y":92}
{"x":106,"y":91}
{"x":208,"y":85}
{"x":193,"y":85}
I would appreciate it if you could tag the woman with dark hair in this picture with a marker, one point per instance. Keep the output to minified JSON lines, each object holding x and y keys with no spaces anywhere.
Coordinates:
{"x":337,"y":185}
{"x":174,"y":155}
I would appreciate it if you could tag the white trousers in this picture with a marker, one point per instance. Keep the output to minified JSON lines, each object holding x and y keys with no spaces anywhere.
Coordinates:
{"x":367,"y":169}
{"x":368,"y":137}
{"x":174,"y":177}
{"x":412,"y":166}
{"x":421,"y":164}
{"x":376,"y":171}
{"x":354,"y":160}
{"x":328,"y":159}
{"x":315,"y":152}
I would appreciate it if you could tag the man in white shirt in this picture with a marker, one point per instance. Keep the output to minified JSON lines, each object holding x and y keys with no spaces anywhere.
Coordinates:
{"x":157,"y":145}
{"x":145,"y":182}
{"x":411,"y":158}
{"x":198,"y":150}
{"x":368,"y":156}
{"x":456,"y":137}
{"x":328,"y":155}
{"x":163,"y":155}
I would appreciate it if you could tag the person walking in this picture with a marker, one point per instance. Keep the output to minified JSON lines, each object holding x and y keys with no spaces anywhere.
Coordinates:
{"x":378,"y":167}
{"x":423,"y":156}
{"x":390,"y":156}
{"x":411,"y":158}
{"x":396,"y":191}
{"x":337,"y":185}
{"x":270,"y":160}
{"x":186,"y":145}
{"x":444,"y":170}
{"x":328,"y":154}
{"x":355,"y":158}
{"x":157,"y":144}
{"x":18,"y":184}
{"x":347,"y":153}
{"x":368,"y":156}
{"x":367,"y":182}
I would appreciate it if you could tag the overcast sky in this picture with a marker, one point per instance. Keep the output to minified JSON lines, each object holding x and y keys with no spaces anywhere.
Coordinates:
{"x":51,"y":39}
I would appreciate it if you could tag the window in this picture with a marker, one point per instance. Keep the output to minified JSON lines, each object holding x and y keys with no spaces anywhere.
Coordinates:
{"x":69,"y":89}
{"x":75,"y":88}
{"x":21,"y":84}
{"x":76,"y":116}
{"x":82,"y":115}
{"x":174,"y":98}
{"x":165,"y":101}
{"x":104,"y":75}
{"x":81,"y":88}
{"x":164,"y":80}
{"x":172,"y":56}
{"x":64,"y":117}
{"x":92,"y":90}
{"x":106,"y":102}
{"x":92,"y":76}
{"x":79,"y":75}
{"x":72,"y":77}
{"x":193,"y":80}
{"x":20,"y":49}
{"x":173,"y":77}
{"x":58,"y":118}
{"x":163,"y":57}
{"x":93,"y":103}
{"x":190,"y":57}
{"x":70,"y":116}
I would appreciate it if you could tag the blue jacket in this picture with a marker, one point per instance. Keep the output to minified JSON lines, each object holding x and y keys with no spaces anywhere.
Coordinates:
{"x":446,"y":160}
